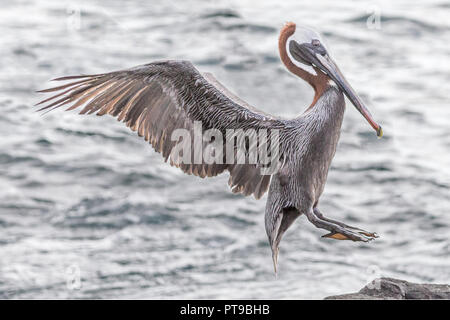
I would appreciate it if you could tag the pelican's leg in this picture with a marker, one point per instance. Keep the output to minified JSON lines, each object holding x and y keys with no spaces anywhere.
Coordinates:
{"x":336,"y":231}
{"x":364,"y":232}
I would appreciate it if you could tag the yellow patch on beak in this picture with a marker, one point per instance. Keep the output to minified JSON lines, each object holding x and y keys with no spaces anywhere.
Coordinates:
{"x":379,"y":132}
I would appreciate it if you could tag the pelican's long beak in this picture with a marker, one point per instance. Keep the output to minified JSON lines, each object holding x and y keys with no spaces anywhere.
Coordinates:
{"x":328,"y":66}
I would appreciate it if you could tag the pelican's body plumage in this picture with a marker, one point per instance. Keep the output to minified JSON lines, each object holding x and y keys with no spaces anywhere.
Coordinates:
{"x":158,"y":98}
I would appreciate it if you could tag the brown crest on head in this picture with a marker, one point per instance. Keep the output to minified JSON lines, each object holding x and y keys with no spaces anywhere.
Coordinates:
{"x":319,"y":82}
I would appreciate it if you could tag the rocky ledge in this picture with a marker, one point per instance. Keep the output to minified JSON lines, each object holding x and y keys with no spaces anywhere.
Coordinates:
{"x":389,"y":288}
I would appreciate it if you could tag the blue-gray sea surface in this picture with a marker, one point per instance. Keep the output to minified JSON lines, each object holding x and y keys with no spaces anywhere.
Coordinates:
{"x":89,"y":210}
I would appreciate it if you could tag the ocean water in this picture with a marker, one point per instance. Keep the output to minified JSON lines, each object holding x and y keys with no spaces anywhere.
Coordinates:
{"x":89,"y":210}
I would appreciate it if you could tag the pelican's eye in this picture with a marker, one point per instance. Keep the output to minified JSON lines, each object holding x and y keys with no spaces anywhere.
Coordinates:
{"x":318,"y":47}
{"x":315,"y":42}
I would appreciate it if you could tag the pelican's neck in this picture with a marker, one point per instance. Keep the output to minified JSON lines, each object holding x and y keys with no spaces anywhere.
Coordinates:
{"x":319,"y":81}
{"x":328,"y":110}
{"x":319,"y":91}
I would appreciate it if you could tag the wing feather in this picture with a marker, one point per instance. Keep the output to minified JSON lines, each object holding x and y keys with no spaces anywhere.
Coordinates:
{"x":156,"y":99}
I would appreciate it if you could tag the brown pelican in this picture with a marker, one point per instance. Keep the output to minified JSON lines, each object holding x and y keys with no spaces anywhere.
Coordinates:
{"x":157,"y":98}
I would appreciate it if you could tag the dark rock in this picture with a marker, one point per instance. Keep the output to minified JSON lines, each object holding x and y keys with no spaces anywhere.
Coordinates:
{"x":389,"y":288}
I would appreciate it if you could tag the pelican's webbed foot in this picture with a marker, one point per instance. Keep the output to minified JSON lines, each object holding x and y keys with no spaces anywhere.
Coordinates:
{"x":339,"y":230}
{"x":361,"y":231}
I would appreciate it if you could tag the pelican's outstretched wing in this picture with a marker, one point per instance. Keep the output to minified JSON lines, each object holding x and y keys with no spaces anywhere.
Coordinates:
{"x":156,"y":99}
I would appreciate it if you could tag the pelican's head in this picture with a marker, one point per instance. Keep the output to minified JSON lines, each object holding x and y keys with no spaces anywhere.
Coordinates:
{"x":304,"y":53}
